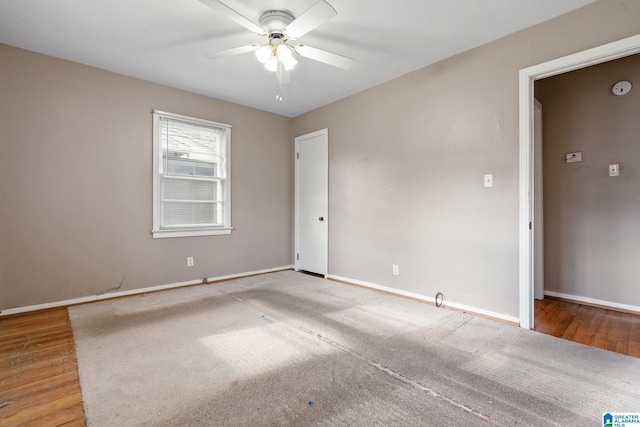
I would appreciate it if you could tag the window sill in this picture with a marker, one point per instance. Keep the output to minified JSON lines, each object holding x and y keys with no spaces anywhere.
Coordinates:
{"x":163,"y":234}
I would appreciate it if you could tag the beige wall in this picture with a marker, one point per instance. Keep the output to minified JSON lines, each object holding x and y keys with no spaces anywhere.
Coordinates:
{"x":592,"y":221}
{"x":75,"y":193}
{"x":407,"y":160}
{"x":406,"y":165}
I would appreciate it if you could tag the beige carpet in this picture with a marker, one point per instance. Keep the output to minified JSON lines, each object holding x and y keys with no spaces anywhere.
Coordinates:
{"x":288,"y":349}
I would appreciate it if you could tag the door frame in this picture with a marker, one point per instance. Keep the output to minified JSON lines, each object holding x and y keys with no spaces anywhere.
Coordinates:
{"x":527,"y":77}
{"x":538,"y":204}
{"x":296,"y":231}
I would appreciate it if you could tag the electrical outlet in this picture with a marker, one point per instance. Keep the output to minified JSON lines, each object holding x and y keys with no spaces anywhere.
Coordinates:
{"x":614,"y":170}
{"x":396,"y":270}
{"x":189,"y":261}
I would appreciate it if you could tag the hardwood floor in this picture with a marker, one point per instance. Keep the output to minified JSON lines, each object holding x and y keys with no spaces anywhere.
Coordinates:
{"x":39,"y":383}
{"x":39,"y":374}
{"x":594,"y":326}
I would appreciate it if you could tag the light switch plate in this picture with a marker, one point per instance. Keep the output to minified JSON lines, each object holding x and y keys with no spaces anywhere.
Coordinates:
{"x":573,"y":157}
{"x":488,"y":180}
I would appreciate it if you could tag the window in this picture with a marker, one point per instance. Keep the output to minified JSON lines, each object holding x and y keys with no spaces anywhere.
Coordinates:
{"x":191,"y":176}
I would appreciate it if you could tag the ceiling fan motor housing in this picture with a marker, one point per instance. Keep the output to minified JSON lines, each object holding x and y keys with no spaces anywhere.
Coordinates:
{"x":274,"y":22}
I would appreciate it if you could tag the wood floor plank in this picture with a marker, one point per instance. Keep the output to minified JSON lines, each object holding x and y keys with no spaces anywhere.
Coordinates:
{"x":602,"y":334}
{"x":634,"y":349}
{"x":595,"y":326}
{"x":34,"y":350}
{"x":34,"y":414}
{"x":571,"y":329}
{"x":39,"y":371}
{"x":71,"y":416}
{"x":622,"y":346}
{"x":13,"y":384}
{"x":582,"y":334}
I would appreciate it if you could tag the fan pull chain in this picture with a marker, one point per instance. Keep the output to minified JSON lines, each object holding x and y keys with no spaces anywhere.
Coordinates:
{"x":279,"y":80}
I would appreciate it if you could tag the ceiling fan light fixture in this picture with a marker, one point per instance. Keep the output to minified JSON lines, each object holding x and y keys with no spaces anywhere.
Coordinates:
{"x":290,"y":63}
{"x":271,"y":64}
{"x":284,"y":53}
{"x":263,"y":53}
{"x":280,"y":27}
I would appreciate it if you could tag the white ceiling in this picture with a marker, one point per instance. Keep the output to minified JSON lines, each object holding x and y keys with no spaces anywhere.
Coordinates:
{"x":164,"y":40}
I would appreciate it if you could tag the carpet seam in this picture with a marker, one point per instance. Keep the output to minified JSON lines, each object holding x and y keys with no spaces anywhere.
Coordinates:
{"x":396,"y":375}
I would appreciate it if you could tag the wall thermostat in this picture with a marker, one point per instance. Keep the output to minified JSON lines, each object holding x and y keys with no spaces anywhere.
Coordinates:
{"x":621,"y":88}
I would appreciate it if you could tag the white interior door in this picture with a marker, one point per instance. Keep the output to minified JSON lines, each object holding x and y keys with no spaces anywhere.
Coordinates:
{"x":312,"y":202}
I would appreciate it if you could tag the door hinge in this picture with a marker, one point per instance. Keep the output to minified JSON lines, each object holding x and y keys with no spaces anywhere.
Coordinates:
{"x":530,"y":226}
{"x":297,"y":257}
{"x":298,"y":156}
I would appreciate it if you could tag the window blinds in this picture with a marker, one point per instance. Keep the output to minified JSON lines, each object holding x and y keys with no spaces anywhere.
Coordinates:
{"x":192,"y":174}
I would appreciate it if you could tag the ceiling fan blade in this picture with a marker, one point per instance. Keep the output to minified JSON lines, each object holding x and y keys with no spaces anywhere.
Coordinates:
{"x":324,"y":56}
{"x":233,"y":15}
{"x":313,"y":17}
{"x":233,"y":51}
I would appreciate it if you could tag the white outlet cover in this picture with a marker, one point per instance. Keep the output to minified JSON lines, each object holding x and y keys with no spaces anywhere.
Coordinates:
{"x":614,"y":170}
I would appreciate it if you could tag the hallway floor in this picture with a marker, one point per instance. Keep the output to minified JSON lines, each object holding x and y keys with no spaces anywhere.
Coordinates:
{"x":594,"y":326}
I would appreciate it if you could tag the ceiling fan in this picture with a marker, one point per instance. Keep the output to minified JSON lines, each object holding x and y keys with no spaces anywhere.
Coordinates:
{"x":280,"y":28}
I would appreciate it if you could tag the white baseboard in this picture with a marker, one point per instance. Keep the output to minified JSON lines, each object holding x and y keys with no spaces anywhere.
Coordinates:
{"x":249,"y":273}
{"x":593,"y":301}
{"x":461,"y":307}
{"x":92,"y":298}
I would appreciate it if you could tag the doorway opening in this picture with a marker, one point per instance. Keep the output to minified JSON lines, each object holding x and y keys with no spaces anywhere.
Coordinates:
{"x":528,"y":178}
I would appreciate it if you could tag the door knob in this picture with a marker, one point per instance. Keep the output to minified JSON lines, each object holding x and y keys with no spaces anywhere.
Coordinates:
{"x":321,"y":218}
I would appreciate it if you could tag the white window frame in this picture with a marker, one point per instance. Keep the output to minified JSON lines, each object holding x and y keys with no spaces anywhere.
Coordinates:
{"x":182,"y":231}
